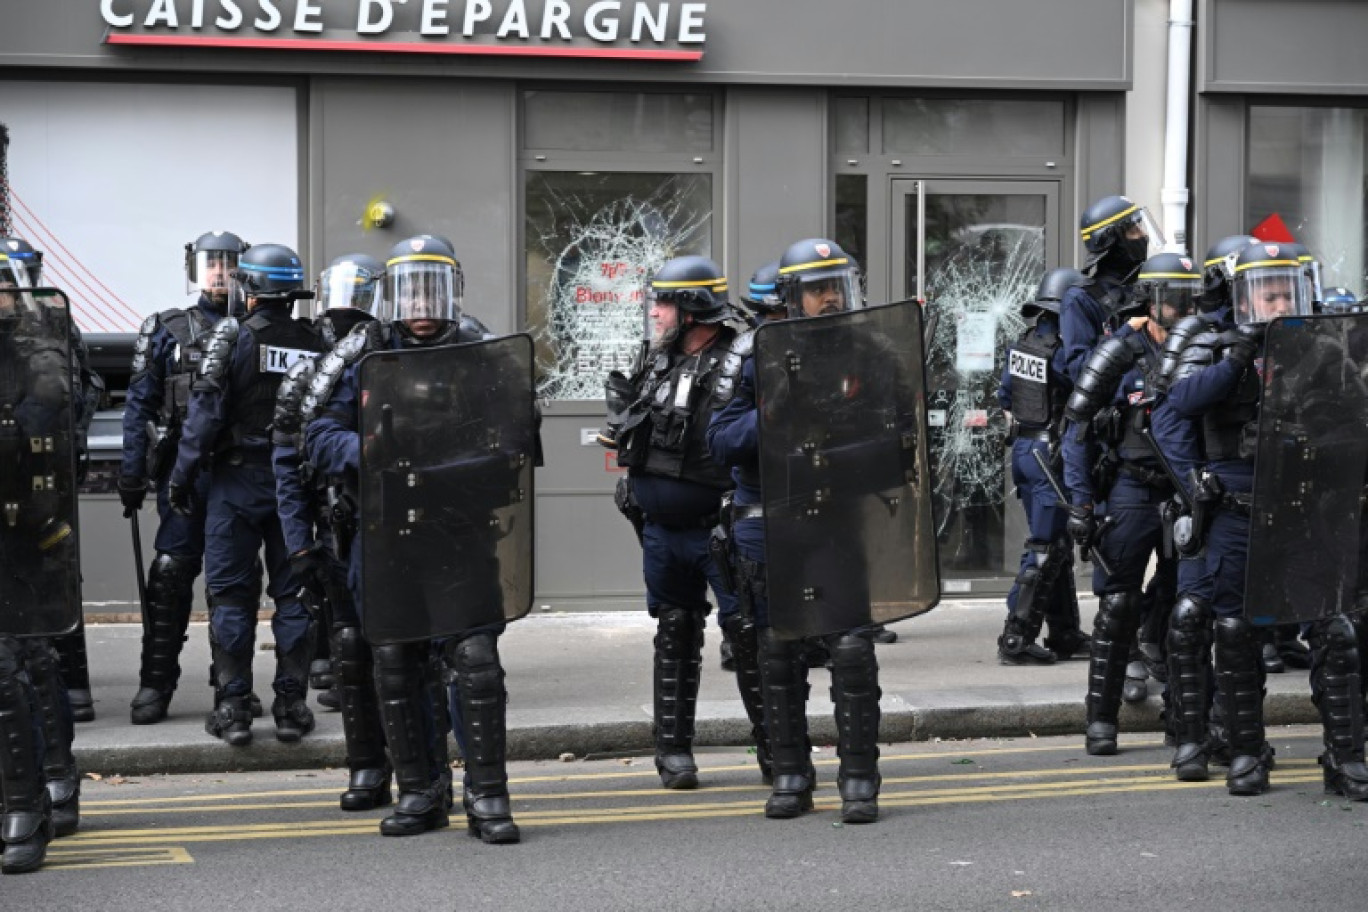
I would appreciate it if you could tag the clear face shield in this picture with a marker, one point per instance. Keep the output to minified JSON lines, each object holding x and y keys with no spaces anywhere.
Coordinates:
{"x":347,"y":285}
{"x":1141,"y":235}
{"x":1312,"y":267}
{"x":211,"y":274}
{"x":421,"y":291}
{"x":1171,"y":300}
{"x":1264,"y":292}
{"x":14,"y":282}
{"x":820,"y":292}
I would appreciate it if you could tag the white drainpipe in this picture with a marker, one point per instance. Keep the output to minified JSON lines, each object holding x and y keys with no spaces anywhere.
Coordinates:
{"x":1174,"y":195}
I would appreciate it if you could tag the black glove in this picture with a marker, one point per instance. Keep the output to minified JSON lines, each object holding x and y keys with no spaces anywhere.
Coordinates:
{"x":1082,"y":526}
{"x":1249,"y":339}
{"x":181,"y":498}
{"x":132,"y":493}
{"x":310,"y":568}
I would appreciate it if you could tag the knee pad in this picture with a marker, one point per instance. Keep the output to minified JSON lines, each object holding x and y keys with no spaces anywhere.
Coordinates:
{"x":1190,"y":622}
{"x":1118,"y":614}
{"x":1235,"y":633}
{"x":1337,"y":640}
{"x":849,"y":651}
{"x":177,"y":572}
{"x":679,"y":632}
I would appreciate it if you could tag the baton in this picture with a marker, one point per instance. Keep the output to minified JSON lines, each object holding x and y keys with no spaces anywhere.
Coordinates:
{"x":138,"y":566}
{"x":1086,"y":553}
{"x":1168,"y":469}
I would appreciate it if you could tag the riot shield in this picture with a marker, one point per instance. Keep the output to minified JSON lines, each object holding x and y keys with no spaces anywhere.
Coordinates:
{"x":448,"y":438}
{"x":849,"y":534}
{"x":40,"y":592}
{"x":1311,"y":459}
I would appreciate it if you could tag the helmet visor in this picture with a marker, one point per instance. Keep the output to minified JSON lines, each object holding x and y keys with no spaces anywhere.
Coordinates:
{"x":821,"y":291}
{"x":1141,"y":223}
{"x":1264,"y":292}
{"x":421,"y":290}
{"x":347,"y":285}
{"x":212,"y":274}
{"x":13,"y":273}
{"x":1171,"y":300}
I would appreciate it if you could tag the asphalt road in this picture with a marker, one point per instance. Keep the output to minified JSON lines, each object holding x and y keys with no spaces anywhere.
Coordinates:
{"x":967,"y":825}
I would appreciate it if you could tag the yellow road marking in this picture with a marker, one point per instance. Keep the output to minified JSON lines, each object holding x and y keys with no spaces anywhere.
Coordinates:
{"x":69,"y":859}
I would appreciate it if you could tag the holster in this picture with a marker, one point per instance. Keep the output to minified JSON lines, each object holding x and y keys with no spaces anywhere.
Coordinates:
{"x":626,"y":503}
{"x":161,"y":455}
{"x":342,"y":517}
{"x":720,"y":546}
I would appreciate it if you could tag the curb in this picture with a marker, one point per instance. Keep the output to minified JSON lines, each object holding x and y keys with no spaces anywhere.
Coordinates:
{"x":549,"y":741}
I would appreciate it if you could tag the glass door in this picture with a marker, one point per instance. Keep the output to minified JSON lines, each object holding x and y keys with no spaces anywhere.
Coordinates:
{"x":973,"y":251}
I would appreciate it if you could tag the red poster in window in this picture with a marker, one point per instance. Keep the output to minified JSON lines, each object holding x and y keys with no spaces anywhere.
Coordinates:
{"x":1274,"y":230}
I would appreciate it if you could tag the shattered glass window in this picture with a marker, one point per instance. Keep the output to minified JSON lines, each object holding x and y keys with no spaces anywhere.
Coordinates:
{"x":984,"y":258}
{"x":592,"y":241}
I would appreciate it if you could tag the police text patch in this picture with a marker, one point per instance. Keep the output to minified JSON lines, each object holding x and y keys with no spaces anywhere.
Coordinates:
{"x":1027,"y":367}
{"x":280,"y":360}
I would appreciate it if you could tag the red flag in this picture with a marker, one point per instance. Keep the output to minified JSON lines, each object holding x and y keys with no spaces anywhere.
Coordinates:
{"x":1274,"y":230}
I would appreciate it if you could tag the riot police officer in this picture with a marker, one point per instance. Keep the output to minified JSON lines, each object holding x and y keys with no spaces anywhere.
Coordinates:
{"x":679,"y":489}
{"x":1216,"y":384}
{"x":1108,"y":459}
{"x":1033,"y":389}
{"x":170,"y":348}
{"x":420,"y":309}
{"x":1118,"y":235}
{"x":816,"y":278}
{"x":1339,"y":299}
{"x":227,"y":436}
{"x":347,"y":292}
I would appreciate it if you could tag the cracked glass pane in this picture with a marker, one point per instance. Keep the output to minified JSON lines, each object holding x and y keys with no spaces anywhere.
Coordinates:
{"x":592,"y":240}
{"x":984,"y":258}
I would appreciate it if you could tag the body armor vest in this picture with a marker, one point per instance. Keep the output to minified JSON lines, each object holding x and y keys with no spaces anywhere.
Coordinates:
{"x":1037,"y":400}
{"x":1226,"y":427}
{"x":281,"y":341}
{"x":1133,"y":447}
{"x":676,"y":390}
{"x":190,"y":328}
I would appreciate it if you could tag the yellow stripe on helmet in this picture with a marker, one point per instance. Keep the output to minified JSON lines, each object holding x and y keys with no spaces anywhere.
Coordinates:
{"x":1292,"y":263}
{"x":1170,"y":275}
{"x":815,"y":264}
{"x":422,"y":257}
{"x":1087,"y":232}
{"x":713,"y":284}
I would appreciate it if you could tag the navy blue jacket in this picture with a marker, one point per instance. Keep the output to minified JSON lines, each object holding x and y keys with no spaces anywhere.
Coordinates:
{"x":1082,"y":322}
{"x":734,"y":441}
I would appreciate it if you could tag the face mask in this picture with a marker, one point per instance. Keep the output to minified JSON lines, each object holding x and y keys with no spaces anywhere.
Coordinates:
{"x":1136,"y":248}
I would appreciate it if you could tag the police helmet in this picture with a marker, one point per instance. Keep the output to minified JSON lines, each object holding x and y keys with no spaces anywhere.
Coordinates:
{"x":817,"y":277}
{"x":22,"y":256}
{"x":694,"y":284}
{"x":422,"y":281}
{"x":1167,"y":286}
{"x":1311,"y":266}
{"x":210,"y":261}
{"x":1103,"y":227}
{"x":352,"y":280}
{"x":762,"y":293}
{"x":271,"y":273}
{"x":1339,"y":300}
{"x":1050,"y":295}
{"x":1269,"y":281}
{"x":13,"y":272}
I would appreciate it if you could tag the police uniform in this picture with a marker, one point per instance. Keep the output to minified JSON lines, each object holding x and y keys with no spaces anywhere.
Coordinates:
{"x":226,"y":436}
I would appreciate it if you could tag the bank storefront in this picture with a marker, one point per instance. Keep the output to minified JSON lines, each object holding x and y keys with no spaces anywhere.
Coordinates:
{"x":566,"y":149}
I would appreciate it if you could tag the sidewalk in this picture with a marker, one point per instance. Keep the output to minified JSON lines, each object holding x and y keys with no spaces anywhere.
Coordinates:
{"x":580,"y":683}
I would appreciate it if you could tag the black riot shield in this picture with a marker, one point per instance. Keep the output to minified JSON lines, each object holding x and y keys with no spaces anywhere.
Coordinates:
{"x":849,"y":534}
{"x":39,"y":559}
{"x":448,"y":436}
{"x":1311,"y":462}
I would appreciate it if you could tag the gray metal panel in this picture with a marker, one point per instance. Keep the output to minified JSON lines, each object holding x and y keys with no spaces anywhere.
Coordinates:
{"x":1218,"y":171}
{"x":442,"y":154}
{"x":776,"y":149}
{"x":1272,"y":46}
{"x":1100,"y":158}
{"x":1083,"y":44}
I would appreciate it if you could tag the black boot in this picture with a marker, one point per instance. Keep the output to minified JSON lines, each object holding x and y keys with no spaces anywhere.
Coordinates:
{"x":1240,"y":689}
{"x":1189,"y":682}
{"x":1268,"y":651}
{"x":231,"y":718}
{"x":678,"y":663}
{"x":26,"y":824}
{"x":75,"y":669}
{"x":484,"y":710}
{"x":1035,"y":582}
{"x":401,"y":684}
{"x":743,"y":636}
{"x":54,"y":717}
{"x":369,"y":783}
{"x":1118,"y":615}
{"x":1337,"y":690}
{"x":1018,"y":646}
{"x":170,"y":595}
{"x":1067,"y":638}
{"x":1291,"y":649}
{"x":855,"y":693}
{"x":293,"y":718}
{"x":784,"y":678}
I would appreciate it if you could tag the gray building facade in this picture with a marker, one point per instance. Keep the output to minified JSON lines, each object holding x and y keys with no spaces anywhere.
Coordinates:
{"x":566,"y":147}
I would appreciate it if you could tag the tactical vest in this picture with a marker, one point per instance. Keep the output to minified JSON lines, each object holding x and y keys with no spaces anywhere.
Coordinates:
{"x":190,"y":328}
{"x":1133,"y":447}
{"x":677,"y":391}
{"x":281,"y":341}
{"x":1037,"y":400}
{"x":1227,"y":427}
